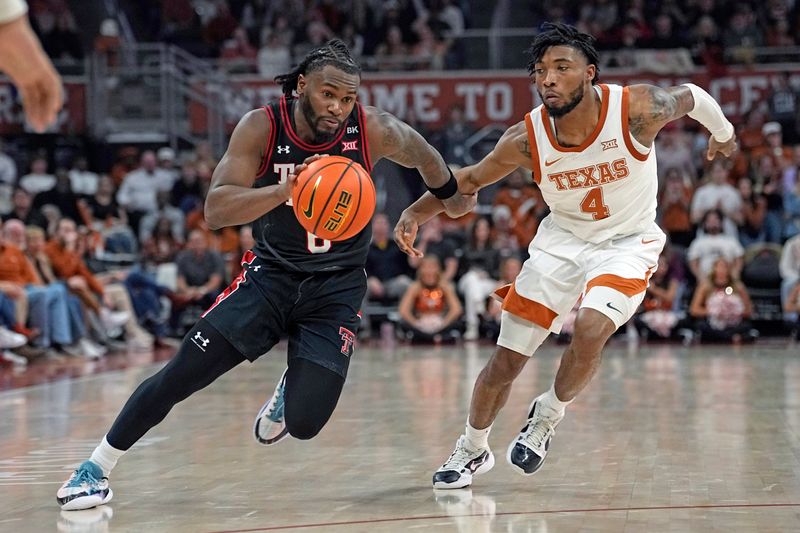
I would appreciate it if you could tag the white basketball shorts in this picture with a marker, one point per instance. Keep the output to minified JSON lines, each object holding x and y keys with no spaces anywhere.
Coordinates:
{"x":612,"y":276}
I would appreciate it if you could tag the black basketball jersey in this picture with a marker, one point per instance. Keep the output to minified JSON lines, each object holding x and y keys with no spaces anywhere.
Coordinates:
{"x":279,"y":237}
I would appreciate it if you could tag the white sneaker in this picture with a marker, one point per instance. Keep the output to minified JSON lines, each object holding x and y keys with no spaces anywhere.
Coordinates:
{"x":270,"y":424}
{"x":463,"y":463}
{"x":85,"y":488}
{"x":13,"y":358}
{"x":90,"y":349}
{"x":526,"y":453}
{"x":113,"y":320}
{"x":10,"y":339}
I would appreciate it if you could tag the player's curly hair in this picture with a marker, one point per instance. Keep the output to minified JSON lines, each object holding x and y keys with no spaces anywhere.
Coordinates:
{"x":558,"y":34}
{"x":334,"y":52}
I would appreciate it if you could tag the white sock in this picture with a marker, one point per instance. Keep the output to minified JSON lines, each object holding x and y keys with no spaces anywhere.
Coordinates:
{"x":106,"y":456}
{"x":549,"y":399}
{"x":477,"y":438}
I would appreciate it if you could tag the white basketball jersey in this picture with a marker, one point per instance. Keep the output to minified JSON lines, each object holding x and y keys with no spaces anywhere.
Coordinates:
{"x":604,"y":188}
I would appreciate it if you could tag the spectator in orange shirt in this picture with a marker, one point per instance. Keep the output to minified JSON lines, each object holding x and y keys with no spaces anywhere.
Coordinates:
{"x":48,"y":307}
{"x":69,"y":266}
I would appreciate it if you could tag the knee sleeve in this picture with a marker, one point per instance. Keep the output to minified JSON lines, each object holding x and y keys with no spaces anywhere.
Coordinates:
{"x":520,"y":335}
{"x":203,"y":356}
{"x":312,"y":392}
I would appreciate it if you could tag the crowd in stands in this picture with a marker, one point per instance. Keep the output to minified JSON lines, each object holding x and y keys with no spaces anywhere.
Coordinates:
{"x":95,"y":257}
{"x":268,"y":37}
{"x":92,"y":258}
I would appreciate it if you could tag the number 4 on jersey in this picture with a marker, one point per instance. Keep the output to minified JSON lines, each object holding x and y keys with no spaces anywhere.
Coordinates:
{"x":593,"y":203}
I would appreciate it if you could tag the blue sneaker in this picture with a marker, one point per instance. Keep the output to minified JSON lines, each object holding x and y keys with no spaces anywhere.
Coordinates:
{"x":270,"y":426}
{"x":85,"y":488}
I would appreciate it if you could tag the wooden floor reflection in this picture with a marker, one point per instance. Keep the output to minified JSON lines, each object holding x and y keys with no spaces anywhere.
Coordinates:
{"x":666,"y":438}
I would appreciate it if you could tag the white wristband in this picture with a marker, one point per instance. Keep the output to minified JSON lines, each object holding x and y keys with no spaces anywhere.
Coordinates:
{"x":707,"y":112}
{"x":11,"y":10}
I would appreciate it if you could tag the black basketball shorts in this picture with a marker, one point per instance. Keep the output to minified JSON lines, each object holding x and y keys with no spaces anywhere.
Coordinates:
{"x":318,"y":313}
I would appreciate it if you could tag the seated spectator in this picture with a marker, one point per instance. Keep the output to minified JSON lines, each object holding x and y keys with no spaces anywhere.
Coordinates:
{"x":768,"y":180}
{"x":34,"y":246}
{"x":200,"y":274}
{"x":789,"y":269}
{"x":718,"y":193}
{"x":430,"y":310}
{"x":387,"y":268}
{"x":187,"y":192}
{"x":166,"y":163}
{"x":660,"y":311}
{"x":430,"y":50}
{"x":525,"y":203}
{"x":48,"y":305}
{"x":791,"y":306}
{"x":84,"y":181}
{"x":432,"y":242}
{"x":453,"y":135}
{"x":754,"y":209}
{"x":674,"y":151}
{"x":38,"y":180}
{"x":103,"y":207}
{"x":22,"y":209}
{"x":238,"y":53}
{"x":392,"y":53}
{"x":274,"y":57}
{"x":772,"y":146}
{"x":67,"y":264}
{"x":164,"y":211}
{"x":711,"y":244}
{"x":137,"y":194}
{"x":161,"y":247}
{"x":479,"y":265}
{"x":673,"y":203}
{"x":61,"y":196}
{"x":722,"y":306}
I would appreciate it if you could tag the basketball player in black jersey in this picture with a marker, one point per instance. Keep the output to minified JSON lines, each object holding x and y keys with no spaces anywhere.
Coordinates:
{"x":292,"y":283}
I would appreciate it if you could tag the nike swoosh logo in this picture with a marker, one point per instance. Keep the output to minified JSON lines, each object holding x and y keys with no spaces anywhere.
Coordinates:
{"x":553,"y":162}
{"x":309,"y":211}
{"x":648,"y":242}
{"x":614,"y":308}
{"x":477,"y":462}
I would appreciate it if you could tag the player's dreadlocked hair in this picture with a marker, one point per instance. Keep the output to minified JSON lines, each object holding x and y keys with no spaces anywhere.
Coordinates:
{"x":334,"y":52}
{"x":558,"y":34}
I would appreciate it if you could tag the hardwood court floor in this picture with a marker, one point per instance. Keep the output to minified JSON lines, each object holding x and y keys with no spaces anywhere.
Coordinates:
{"x":666,"y":438}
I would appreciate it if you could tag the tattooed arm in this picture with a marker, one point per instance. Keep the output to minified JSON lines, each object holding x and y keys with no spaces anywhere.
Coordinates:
{"x":512,"y":151}
{"x":395,"y":140}
{"x":651,"y":108}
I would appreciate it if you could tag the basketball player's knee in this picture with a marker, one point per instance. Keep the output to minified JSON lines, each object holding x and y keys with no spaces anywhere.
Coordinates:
{"x":592,"y":329}
{"x":504,"y":366}
{"x":304,"y":428}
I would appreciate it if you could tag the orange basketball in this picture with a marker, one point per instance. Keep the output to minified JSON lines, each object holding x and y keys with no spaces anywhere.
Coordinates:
{"x":334,"y":198}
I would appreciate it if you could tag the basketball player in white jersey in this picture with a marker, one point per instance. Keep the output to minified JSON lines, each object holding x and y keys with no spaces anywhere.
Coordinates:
{"x":590,"y":148}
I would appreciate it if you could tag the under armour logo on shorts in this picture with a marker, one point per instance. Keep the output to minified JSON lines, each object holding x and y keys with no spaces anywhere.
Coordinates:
{"x":201,"y":341}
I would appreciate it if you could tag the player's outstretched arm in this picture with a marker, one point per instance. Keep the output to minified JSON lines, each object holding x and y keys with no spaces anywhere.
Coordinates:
{"x":231,"y":201}
{"x":395,"y":140}
{"x":512,"y":151}
{"x":22,"y":58}
{"x":651,"y":108}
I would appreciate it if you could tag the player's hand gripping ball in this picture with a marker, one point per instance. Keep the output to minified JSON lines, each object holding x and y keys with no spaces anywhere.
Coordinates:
{"x":334,"y":198}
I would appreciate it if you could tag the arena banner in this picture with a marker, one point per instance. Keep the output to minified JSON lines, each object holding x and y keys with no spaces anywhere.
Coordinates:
{"x":71,"y":119}
{"x":499,"y":97}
